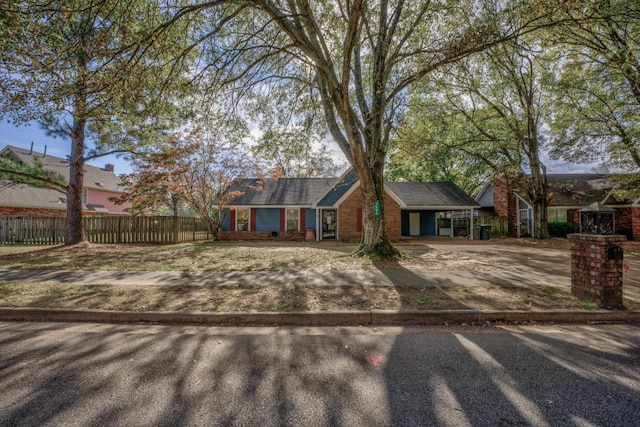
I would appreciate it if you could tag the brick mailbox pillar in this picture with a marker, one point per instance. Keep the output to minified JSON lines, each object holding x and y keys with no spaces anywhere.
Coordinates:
{"x":596,"y":268}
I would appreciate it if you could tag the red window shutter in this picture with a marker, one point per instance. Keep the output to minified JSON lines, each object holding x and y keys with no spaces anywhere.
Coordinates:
{"x":253,"y":220}
{"x":359,"y":219}
{"x":232,"y":221}
{"x":283,"y":219}
{"x":303,"y":219}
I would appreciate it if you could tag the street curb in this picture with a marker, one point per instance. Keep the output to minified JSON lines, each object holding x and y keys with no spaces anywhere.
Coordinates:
{"x":325,"y":318}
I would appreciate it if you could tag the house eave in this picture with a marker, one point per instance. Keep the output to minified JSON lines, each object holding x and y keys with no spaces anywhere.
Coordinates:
{"x":395,"y":197}
{"x":345,"y":195}
{"x":341,"y":178}
{"x":440,"y":208}
{"x":270,"y":206}
{"x":568,"y":207}
{"x":57,"y":208}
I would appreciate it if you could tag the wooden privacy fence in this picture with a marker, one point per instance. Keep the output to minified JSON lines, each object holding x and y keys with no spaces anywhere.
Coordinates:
{"x":499,"y":225}
{"x":104,"y":229}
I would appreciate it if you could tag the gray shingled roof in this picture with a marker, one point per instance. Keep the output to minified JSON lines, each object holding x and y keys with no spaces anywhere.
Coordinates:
{"x":280,"y":192}
{"x":432,"y":194}
{"x":28,"y":196}
{"x":583,"y":189}
{"x":307,"y":191}
{"x":95,"y":177}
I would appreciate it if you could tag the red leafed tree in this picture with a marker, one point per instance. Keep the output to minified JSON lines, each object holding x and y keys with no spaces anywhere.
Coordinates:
{"x":195,"y":171}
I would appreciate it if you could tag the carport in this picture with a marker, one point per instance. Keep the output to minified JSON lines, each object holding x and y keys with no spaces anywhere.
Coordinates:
{"x":420,"y":203}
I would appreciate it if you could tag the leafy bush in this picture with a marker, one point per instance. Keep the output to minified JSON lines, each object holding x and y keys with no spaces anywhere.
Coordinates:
{"x":560,"y":229}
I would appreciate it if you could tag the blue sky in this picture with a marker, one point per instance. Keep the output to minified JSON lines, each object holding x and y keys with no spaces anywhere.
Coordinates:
{"x":23,"y":136}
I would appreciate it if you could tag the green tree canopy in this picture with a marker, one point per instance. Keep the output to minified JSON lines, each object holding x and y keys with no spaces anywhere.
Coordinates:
{"x":293,"y":153}
{"x":360,"y":57}
{"x":76,"y":66}
{"x":597,"y":110}
{"x":196,"y":169}
{"x":489,"y":108}
{"x":15,"y":172}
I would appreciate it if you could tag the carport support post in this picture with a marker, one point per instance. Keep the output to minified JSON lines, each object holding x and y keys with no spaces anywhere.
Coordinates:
{"x":471,"y":224}
{"x":596,"y":269}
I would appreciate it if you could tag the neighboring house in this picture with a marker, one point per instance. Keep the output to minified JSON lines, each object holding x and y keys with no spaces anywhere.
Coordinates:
{"x":331,"y":208}
{"x":567,"y":194}
{"x":26,"y":200}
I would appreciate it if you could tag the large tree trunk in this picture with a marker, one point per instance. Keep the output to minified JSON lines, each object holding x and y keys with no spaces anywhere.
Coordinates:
{"x":375,"y":240}
{"x":541,"y":219}
{"x":75,"y":229}
{"x":538,"y":197}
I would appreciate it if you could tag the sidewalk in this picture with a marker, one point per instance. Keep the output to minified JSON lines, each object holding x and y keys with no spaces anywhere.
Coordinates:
{"x":303,"y":278}
{"x":306,"y":278}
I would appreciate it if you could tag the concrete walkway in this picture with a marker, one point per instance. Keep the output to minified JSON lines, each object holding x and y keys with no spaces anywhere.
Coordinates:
{"x":401,"y":277}
{"x":307,"y":278}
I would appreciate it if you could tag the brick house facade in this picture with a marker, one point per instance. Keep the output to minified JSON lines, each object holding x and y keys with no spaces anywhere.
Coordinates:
{"x":350,"y":217}
{"x":100,"y":185}
{"x":568,"y":193}
{"x":505,"y":203}
{"x":15,"y":211}
{"x":331,"y":208}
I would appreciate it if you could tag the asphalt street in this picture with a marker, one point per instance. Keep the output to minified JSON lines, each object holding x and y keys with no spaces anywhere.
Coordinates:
{"x":103,"y":374}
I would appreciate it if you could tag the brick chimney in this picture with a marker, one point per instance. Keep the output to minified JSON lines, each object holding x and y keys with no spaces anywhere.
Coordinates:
{"x":504,"y":202}
{"x":109,"y":167}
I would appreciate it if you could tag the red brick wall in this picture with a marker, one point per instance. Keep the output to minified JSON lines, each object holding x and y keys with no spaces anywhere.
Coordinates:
{"x":348,"y":213}
{"x":573,"y":216}
{"x":623,"y":222}
{"x":627,"y":221}
{"x":12,"y":211}
{"x":504,"y":203}
{"x":501,"y":191}
{"x":594,"y":277}
{"x":635,"y":223}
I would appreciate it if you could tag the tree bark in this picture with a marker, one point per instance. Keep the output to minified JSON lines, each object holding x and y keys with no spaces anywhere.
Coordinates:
{"x":537,"y":192}
{"x":75,"y":229}
{"x":541,"y":219}
{"x":540,"y":204}
{"x":375,"y":240}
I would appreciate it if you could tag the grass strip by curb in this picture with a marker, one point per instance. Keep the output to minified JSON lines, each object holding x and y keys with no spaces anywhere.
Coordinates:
{"x":280,"y":298}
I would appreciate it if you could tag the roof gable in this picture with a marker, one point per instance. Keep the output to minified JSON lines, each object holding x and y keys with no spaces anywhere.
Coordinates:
{"x":339,"y":188}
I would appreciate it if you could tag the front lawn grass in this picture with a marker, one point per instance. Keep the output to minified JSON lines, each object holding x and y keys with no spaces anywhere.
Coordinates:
{"x":283,"y":298}
{"x":215,"y":256}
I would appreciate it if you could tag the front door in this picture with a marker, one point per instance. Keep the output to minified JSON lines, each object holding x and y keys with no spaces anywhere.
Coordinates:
{"x":328,"y":224}
{"x":414,"y":224}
